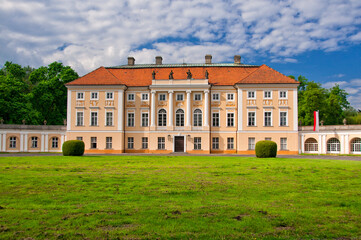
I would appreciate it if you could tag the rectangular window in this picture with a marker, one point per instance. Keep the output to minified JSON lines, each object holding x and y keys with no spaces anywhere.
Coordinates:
{"x":215,"y":143}
{"x":54,"y":142}
{"x":108,"y":142}
{"x":80,"y":96}
{"x":230,"y":96}
{"x":283,"y":144}
{"x":230,"y":119}
{"x":268,"y":139}
{"x":12,"y":142}
{"x":162,"y":97}
{"x":94,"y":95}
{"x":145,"y":97}
{"x":79,"y":138}
{"x":109,"y":95}
{"x":145,"y":119}
{"x":283,"y":118}
{"x":161,"y":142}
{"x":109,"y":119}
{"x":130,"y":119}
{"x":197,"y":97}
{"x":93,"y":142}
{"x":267,"y":119}
{"x":131,"y":96}
{"x":197,"y":143}
{"x":251,"y":94}
{"x":144,"y":142}
{"x":94,"y":119}
{"x":283,"y":94}
{"x":180,"y":97}
{"x":215,"y":97}
{"x":130,"y":142}
{"x":215,"y":119}
{"x":80,"y":118}
{"x":230,"y":143}
{"x":251,"y":143}
{"x":267,"y":94}
{"x":251,"y":118}
{"x":34,"y":142}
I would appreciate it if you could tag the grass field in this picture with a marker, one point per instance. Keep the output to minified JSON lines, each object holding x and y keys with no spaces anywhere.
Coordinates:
{"x":178,"y":197}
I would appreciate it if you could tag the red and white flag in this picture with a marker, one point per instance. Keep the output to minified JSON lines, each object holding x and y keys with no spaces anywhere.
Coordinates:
{"x":316,"y":121}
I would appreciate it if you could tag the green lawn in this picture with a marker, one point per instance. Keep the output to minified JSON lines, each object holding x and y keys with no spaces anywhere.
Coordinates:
{"x":148,"y":197}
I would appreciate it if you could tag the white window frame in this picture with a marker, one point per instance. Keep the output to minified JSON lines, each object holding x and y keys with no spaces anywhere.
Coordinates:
{"x":283,"y":143}
{"x":255,"y":118}
{"x":147,"y":98}
{"x":79,"y":138}
{"x":54,"y":141}
{"x":251,"y":145}
{"x":12,"y":142}
{"x":264,"y":118}
{"x":34,"y":142}
{"x":130,"y":144}
{"x":77,"y":96}
{"x":106,"y":96}
{"x":179,"y":94}
{"x":228,"y":95}
{"x":162,"y":94}
{"x":283,"y":111}
{"x":254,"y":94}
{"x":94,"y":98}
{"x":91,"y":142}
{"x":197,"y":122}
{"x":279,"y":94}
{"x":76,"y":120}
{"x":164,"y":123}
{"x":233,"y":121}
{"x":268,"y":139}
{"x":215,"y":144}
{"x":219,"y":118}
{"x":218,"y":98}
{"x":108,"y":144}
{"x":129,"y":96}
{"x":106,"y":118}
{"x":141,"y":118}
{"x":197,"y":143}
{"x":161,"y":144}
{"x":230,"y":143}
{"x":145,"y":144}
{"x":267,"y":97}
{"x":130,"y":112}
{"x":90,"y":119}
{"x":197,"y":94}
{"x":182,"y":120}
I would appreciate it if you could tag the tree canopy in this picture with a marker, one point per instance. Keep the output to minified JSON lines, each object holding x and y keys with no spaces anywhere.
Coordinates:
{"x":34,"y":95}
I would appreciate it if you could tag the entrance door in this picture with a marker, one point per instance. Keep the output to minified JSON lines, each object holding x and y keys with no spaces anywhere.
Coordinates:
{"x":179,"y":144}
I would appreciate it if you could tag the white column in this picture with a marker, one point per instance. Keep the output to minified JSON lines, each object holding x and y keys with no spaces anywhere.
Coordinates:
{"x":303,"y":143}
{"x":21,"y":142}
{"x":120,"y":109}
{"x":320,"y":144}
{"x":25,"y":142}
{"x":347,"y":144}
{"x":152,"y":110}
{"x":42,"y":143}
{"x":189,"y":111}
{"x":46,"y":142}
{"x":206,"y":108}
{"x":324,"y":144}
{"x":62,"y":141}
{"x":4,"y":142}
{"x":1,"y":138}
{"x":342,"y":144}
{"x":68,"y":117}
{"x":295,"y":110}
{"x":239,"y":109}
{"x":170,"y":123}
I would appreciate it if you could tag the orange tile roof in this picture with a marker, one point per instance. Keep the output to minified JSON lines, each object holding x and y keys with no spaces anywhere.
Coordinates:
{"x":218,"y":75}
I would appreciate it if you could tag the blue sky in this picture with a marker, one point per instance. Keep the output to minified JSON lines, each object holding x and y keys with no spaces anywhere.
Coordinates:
{"x":318,"y":39}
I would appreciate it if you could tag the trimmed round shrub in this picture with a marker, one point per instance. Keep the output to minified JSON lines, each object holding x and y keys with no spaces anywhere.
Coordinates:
{"x":266,"y":149}
{"x":73,"y":148}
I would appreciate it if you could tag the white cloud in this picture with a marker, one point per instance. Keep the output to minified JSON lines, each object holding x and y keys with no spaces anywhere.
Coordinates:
{"x":95,"y":33}
{"x":332,"y":84}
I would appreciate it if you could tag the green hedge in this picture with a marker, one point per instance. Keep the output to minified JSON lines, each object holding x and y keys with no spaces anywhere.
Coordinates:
{"x":73,"y":148}
{"x":265,"y":149}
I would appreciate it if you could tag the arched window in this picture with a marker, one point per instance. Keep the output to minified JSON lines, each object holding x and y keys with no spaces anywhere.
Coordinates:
{"x":162,"y":118}
{"x":356,"y":145}
{"x":34,"y":142}
{"x":12,"y":142}
{"x":197,"y":118}
{"x":333,"y":145}
{"x":311,"y":145}
{"x":179,"y":118}
{"x":54,"y":142}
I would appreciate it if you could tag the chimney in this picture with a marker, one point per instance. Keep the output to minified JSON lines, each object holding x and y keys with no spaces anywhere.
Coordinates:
{"x":158,"y":60}
{"x":237,"y":59}
{"x":208,"y":58}
{"x":131,"y":61}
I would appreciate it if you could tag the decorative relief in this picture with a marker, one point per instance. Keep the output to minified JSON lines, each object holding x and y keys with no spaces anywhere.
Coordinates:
{"x":215,"y":103}
{"x":251,"y":102}
{"x":230,"y":104}
{"x":197,"y":103}
{"x":268,"y":102}
{"x":94,"y":103}
{"x":109,"y":103}
{"x":162,"y":103}
{"x":144,"y":104}
{"x":179,"y":104}
{"x":283,"y":102}
{"x":80,"y":103}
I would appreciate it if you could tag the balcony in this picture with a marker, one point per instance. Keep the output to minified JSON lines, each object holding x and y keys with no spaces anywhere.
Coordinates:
{"x":267,"y":102}
{"x":283,"y":102}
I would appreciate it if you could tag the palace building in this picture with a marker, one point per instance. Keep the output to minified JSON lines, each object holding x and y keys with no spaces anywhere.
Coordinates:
{"x":193,"y":108}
